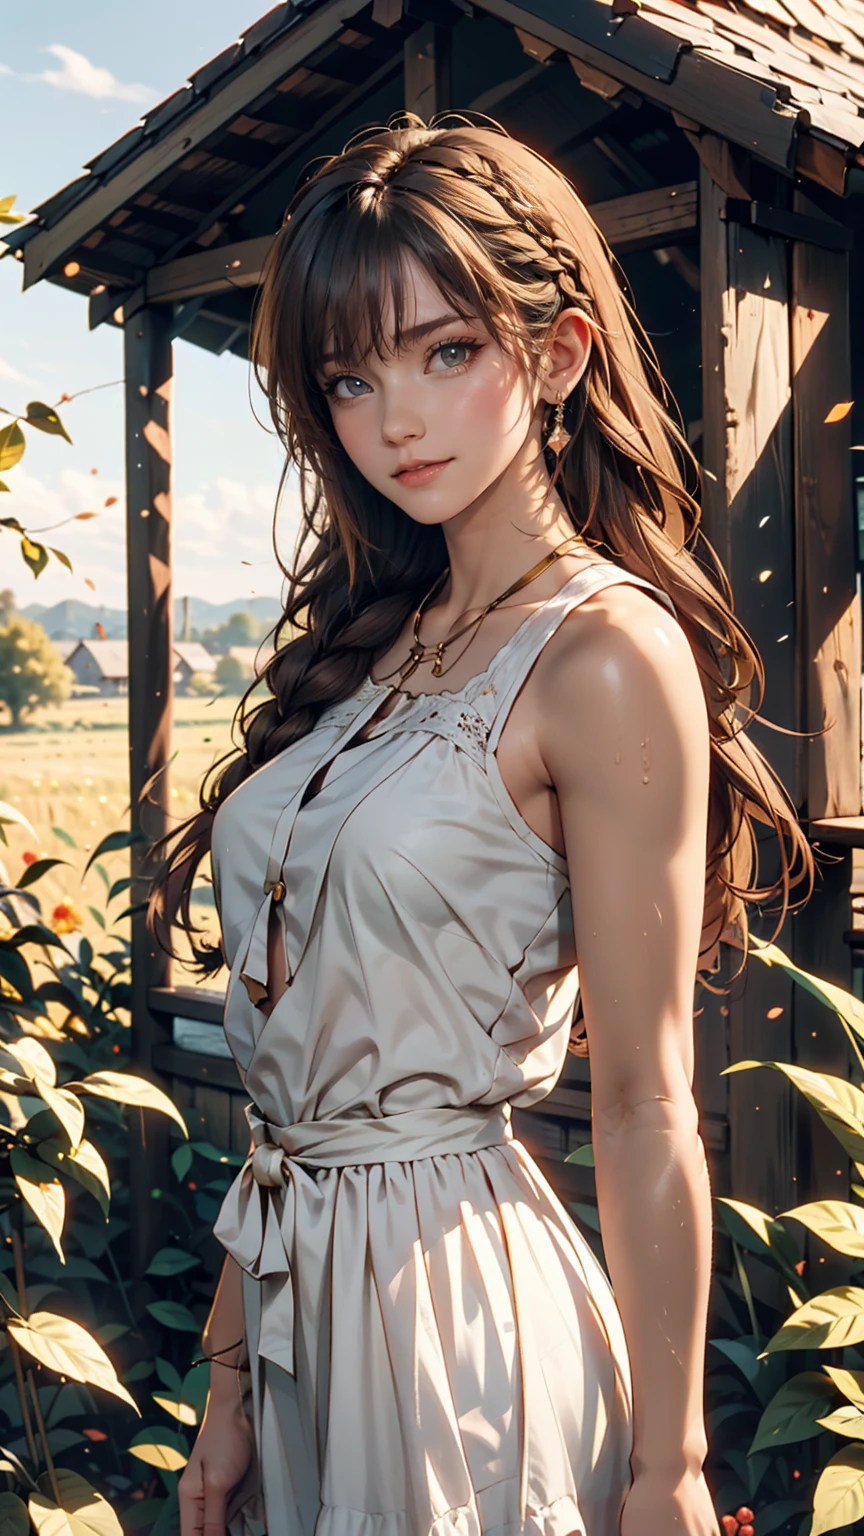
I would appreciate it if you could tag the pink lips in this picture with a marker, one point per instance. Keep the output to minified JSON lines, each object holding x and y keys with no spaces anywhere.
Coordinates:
{"x":419,"y":474}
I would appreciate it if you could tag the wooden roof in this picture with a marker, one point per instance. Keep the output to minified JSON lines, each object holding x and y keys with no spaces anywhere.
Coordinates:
{"x":213,"y":165}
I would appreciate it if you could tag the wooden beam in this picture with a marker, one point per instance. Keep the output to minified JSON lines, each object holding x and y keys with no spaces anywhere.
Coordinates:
{"x":49,"y":247}
{"x":428,"y":71}
{"x":848,"y":830}
{"x":149,"y":456}
{"x":645,"y":219}
{"x":830,"y":615}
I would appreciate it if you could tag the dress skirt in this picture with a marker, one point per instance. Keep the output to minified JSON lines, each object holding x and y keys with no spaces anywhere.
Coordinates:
{"x":460,"y":1367}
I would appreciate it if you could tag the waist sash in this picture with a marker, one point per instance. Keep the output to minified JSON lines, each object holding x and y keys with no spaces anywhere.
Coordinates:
{"x":256,"y":1221}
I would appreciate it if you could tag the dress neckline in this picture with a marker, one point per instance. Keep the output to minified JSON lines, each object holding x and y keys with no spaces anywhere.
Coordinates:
{"x":480,"y":677}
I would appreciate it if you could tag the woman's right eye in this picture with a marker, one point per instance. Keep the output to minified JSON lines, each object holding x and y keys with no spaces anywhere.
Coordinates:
{"x":353,"y":387}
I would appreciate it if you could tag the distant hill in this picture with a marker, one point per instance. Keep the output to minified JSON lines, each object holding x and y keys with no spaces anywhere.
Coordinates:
{"x":72,"y":620}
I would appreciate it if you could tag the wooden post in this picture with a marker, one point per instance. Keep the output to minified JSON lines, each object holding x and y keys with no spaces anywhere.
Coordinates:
{"x":149,"y":382}
{"x":830,"y":676}
{"x":427,"y":71}
{"x":747,"y":451}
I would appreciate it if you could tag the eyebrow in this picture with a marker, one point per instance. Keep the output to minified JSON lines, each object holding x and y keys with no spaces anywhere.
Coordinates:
{"x":416,"y":333}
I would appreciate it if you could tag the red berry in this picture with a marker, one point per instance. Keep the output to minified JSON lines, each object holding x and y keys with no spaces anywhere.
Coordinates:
{"x":729,"y":1524}
{"x":745,"y":1515}
{"x":746,"y":1530}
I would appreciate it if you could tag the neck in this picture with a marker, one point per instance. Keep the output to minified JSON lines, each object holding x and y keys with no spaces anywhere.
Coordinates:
{"x":511,"y":526}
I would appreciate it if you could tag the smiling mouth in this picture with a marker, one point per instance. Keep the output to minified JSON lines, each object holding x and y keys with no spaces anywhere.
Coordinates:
{"x":419,"y":464}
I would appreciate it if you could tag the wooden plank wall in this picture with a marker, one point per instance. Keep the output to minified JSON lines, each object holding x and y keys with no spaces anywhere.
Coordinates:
{"x":149,"y":456}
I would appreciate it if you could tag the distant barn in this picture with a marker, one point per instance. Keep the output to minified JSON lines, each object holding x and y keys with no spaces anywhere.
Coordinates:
{"x":102,"y":664}
{"x":191,"y":657}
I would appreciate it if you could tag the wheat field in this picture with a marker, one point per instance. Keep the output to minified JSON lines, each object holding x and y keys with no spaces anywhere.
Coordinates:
{"x":68,"y":771}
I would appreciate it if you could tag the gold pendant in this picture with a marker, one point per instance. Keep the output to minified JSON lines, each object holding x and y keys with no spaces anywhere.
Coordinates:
{"x":439,"y":661}
{"x":411,"y":663}
{"x":559,"y":437}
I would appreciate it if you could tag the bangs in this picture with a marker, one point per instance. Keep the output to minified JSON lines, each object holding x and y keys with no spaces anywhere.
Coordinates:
{"x":358,"y":297}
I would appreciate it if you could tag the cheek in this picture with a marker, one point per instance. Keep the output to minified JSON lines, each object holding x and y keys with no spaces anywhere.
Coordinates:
{"x":495,"y":397}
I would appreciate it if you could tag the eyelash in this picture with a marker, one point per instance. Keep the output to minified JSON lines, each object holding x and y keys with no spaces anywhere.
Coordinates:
{"x":468,"y":342}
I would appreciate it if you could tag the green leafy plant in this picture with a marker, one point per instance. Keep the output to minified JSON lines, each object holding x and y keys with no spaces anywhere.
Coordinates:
{"x":64,"y":1224}
{"x":784,"y":1401}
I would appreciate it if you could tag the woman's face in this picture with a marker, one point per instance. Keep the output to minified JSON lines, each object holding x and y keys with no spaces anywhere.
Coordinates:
{"x":434,"y":425}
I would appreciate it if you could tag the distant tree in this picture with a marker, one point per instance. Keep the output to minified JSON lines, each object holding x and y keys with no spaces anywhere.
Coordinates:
{"x":7,"y":604}
{"x":202,"y":682}
{"x":232,"y":675}
{"x":32,"y":671}
{"x":240,"y":629}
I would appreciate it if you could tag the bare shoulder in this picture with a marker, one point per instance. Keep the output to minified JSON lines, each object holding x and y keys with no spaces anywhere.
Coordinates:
{"x":619,"y":668}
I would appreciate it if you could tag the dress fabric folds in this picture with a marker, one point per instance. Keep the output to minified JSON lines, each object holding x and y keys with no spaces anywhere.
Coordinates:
{"x":434,"y":1349}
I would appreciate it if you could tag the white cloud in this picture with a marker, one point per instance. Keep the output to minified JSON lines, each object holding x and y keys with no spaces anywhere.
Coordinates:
{"x":78,"y":74}
{"x":5,"y":70}
{"x":8,"y":372}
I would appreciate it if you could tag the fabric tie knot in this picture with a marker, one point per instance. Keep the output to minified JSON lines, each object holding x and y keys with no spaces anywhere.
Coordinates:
{"x":267,"y":1165}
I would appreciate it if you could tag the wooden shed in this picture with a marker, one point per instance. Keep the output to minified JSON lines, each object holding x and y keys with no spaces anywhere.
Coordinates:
{"x":718,"y":144}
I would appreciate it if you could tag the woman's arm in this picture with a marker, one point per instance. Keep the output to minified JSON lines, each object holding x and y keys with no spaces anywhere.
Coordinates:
{"x":623,"y":732}
{"x":224,"y":1326}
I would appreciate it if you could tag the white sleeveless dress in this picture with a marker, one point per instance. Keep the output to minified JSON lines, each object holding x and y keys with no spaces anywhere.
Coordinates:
{"x":435,"y":1350}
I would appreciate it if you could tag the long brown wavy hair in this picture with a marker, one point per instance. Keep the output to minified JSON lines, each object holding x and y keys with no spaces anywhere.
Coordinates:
{"x":504,"y":236}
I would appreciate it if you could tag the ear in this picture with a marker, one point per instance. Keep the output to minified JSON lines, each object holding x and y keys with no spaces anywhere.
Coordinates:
{"x":567,"y":350}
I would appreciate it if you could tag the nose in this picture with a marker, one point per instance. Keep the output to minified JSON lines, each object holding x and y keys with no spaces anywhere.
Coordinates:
{"x":400,"y":421}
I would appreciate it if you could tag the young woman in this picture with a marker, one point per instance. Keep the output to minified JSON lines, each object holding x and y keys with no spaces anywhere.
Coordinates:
{"x":504,"y":732}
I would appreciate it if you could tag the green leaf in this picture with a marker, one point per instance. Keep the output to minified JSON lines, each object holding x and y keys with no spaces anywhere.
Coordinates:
{"x":35,"y":871}
{"x":757,"y":1232}
{"x":64,"y":836}
{"x":169,"y":1375}
{"x":97,"y":917}
{"x":14,"y":1519}
{"x":837,"y":1223}
{"x":68,"y":1349}
{"x":11,"y":522}
{"x":171,"y":1261}
{"x":792,"y":1414}
{"x":172,"y":1314}
{"x":82,"y":1512}
{"x":832,"y":1320}
{"x":45,"y":1197}
{"x":12,"y":445}
{"x":848,"y":1008}
{"x":181,"y":1160}
{"x":15,"y":970}
{"x":120,"y":886}
{"x":583,"y":1156}
{"x":838,"y":1499}
{"x":217,"y":1154}
{"x":837,"y":1102}
{"x":62,"y":557}
{"x":46,"y":419}
{"x":35,"y":554}
{"x":124,"y":1088}
{"x":113,"y":842}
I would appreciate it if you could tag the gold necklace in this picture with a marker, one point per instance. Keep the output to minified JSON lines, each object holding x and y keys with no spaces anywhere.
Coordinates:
{"x":435,"y":653}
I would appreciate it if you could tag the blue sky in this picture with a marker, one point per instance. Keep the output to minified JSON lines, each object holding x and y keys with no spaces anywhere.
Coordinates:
{"x":72,"y":80}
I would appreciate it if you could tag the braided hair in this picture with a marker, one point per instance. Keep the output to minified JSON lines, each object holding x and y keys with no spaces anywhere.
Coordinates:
{"x":506,"y":239}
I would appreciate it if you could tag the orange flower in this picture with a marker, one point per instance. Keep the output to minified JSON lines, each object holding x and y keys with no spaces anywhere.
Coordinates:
{"x":29,"y":856}
{"x":94,"y":1434}
{"x":66,"y":918}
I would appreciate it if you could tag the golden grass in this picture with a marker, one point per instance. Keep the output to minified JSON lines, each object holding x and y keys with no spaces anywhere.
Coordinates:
{"x":69,"y":770}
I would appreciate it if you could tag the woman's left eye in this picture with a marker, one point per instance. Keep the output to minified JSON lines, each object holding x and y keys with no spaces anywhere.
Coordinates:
{"x":454,"y":354}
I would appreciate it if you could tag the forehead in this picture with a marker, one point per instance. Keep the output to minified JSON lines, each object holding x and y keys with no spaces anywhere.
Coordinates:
{"x":418,"y":297}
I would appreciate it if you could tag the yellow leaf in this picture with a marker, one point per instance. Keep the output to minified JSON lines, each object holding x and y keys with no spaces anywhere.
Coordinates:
{"x":156,"y":1455}
{"x":69,"y":1349}
{"x":838,"y":411}
{"x":86,"y":1164}
{"x":837,"y":1223}
{"x":838,"y":1499}
{"x":183,"y":1412}
{"x":67,"y":1108}
{"x":829,"y":1321}
{"x":125,"y":1088}
{"x":45,"y":1196}
{"x":850,"y":1383}
{"x":84,"y":1512}
{"x":33,"y":1057}
{"x":845,"y":1420}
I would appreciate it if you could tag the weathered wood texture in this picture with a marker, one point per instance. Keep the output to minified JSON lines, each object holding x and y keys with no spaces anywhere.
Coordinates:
{"x":748,"y":517}
{"x":149,"y":383}
{"x":645,"y":219}
{"x":829,"y":610}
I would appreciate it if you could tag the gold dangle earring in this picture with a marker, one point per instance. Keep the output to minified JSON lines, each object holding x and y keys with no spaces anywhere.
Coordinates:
{"x":559,"y":437}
